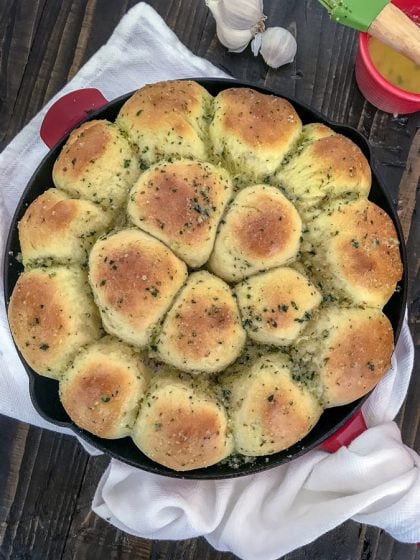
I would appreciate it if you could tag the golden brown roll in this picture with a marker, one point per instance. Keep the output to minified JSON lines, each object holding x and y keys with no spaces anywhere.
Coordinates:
{"x":58,"y":229}
{"x":346,"y":351}
{"x":252,"y":132}
{"x":102,"y":389}
{"x":98,"y":164}
{"x":181,"y":204}
{"x":269,"y":411}
{"x":202,"y":331}
{"x":261,"y":230}
{"x":355,"y":253}
{"x":134,"y":278}
{"x":315,"y":131}
{"x":323,"y":170}
{"x":276,"y":305}
{"x":167,"y":120}
{"x":182,"y":425}
{"x":51,"y":316}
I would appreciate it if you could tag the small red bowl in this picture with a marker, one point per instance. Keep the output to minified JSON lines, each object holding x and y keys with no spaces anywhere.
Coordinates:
{"x":373,"y":85}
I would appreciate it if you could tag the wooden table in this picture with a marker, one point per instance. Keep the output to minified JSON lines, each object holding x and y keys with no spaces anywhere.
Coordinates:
{"x":46,"y":480}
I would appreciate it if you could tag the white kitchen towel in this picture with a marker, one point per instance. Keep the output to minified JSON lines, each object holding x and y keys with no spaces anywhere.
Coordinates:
{"x":266,"y":515}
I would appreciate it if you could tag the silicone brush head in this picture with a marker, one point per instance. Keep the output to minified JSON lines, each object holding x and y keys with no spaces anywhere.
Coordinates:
{"x":358,"y":14}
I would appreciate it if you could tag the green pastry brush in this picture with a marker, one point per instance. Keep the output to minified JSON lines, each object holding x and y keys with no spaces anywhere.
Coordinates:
{"x":380,"y":19}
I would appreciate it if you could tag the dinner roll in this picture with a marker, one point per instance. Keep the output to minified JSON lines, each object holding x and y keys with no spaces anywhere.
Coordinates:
{"x":167,"y":120}
{"x":182,"y":425}
{"x":52,"y":315}
{"x":261,"y":230}
{"x":58,"y":229}
{"x":181,"y":204}
{"x":101,"y":391}
{"x":97,"y":164}
{"x":315,"y":131}
{"x":355,"y":253}
{"x":202,"y":331}
{"x":252,"y":132}
{"x":269,"y":411}
{"x":346,"y":351}
{"x":134,"y":279}
{"x":276,"y":305}
{"x":324,"y":170}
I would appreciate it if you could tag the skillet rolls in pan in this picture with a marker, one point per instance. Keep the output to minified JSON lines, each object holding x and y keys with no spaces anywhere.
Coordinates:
{"x":206,"y":275}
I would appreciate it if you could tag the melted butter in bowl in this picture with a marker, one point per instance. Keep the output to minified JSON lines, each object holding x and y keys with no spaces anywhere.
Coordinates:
{"x":395,"y":67}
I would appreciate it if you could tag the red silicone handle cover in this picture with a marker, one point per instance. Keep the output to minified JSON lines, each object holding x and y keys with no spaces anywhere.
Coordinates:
{"x":65,"y":113}
{"x":346,"y":434}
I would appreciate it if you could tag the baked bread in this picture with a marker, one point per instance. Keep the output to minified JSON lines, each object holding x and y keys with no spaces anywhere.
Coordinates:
{"x":269,"y":410}
{"x":315,"y":131}
{"x":58,"y":229}
{"x":134,"y":279}
{"x":202,"y":331}
{"x":276,"y":305}
{"x":261,"y":230}
{"x":181,"y":424}
{"x":167,"y":120}
{"x":252,"y":132}
{"x":51,"y":316}
{"x":323,"y":170}
{"x":98,"y":164}
{"x":354,"y":253}
{"x":345,"y":352}
{"x":155,"y":214}
{"x":102,"y":389}
{"x":181,"y":204}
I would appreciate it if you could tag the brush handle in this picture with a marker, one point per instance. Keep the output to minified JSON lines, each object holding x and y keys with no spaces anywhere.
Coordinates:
{"x":398,"y":31}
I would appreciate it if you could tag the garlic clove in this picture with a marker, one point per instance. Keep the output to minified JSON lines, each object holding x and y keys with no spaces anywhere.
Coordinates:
{"x":278,"y":46}
{"x":235,"y":40}
{"x":256,"y":44}
{"x":242,"y":14}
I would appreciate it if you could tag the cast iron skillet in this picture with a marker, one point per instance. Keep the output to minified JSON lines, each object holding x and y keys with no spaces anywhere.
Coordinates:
{"x":44,"y":391}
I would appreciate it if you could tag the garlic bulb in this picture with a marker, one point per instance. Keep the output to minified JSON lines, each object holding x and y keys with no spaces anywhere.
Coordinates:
{"x":242,"y":14}
{"x":235,"y":40}
{"x":277,"y":46}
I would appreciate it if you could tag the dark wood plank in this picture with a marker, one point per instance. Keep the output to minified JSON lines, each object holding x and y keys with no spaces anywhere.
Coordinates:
{"x":47,"y":481}
{"x":47,"y":469}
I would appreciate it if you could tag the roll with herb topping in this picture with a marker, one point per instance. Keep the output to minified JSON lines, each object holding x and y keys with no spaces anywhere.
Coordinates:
{"x":52,"y":315}
{"x":345,"y":352}
{"x":268,"y":409}
{"x":167,"y":120}
{"x":276,"y":305}
{"x":181,"y":204}
{"x":102,"y":389}
{"x":202,"y":331}
{"x":58,"y":229}
{"x":323,"y":170}
{"x":252,"y":132}
{"x":260,"y":230}
{"x":97,"y":163}
{"x":181,"y":424}
{"x":354,"y":253}
{"x":134,"y":278}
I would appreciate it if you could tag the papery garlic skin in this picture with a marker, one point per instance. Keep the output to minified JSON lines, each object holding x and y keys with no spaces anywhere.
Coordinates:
{"x":256,"y":44}
{"x":235,"y":40}
{"x":242,"y":14}
{"x":278,"y":46}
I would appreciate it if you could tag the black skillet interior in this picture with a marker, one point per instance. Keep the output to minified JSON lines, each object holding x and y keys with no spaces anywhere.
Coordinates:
{"x":44,"y":391}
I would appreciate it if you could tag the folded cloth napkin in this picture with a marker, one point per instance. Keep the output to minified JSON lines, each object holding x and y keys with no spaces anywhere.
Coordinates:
{"x":375,"y":480}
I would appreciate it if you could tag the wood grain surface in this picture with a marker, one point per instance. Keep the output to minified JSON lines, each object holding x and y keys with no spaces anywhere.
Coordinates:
{"x":47,"y":481}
